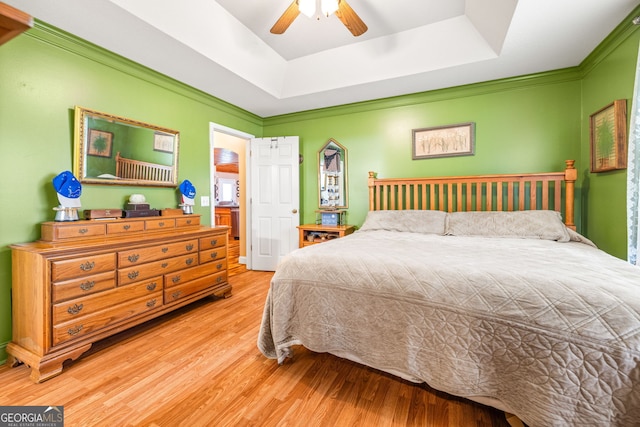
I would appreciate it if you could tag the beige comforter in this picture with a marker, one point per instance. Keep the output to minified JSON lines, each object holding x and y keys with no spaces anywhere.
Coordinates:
{"x":548,"y":331}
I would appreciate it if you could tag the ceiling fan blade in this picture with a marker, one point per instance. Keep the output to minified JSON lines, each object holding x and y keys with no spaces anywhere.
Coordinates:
{"x":286,"y":19}
{"x":350,"y":19}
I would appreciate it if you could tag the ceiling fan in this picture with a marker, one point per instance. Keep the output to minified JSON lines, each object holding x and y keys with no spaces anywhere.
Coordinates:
{"x":341,"y":8}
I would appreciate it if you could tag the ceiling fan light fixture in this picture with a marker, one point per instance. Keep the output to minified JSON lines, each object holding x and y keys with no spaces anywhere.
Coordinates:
{"x":328,"y":7}
{"x":307,"y":7}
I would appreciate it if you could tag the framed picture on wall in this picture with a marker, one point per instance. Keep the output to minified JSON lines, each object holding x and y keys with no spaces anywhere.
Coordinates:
{"x":608,"y":137}
{"x":444,"y":141}
{"x":100,"y":143}
{"x":163,"y":142}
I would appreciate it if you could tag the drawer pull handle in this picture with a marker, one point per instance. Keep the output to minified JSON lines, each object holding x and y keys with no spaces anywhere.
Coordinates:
{"x":151,"y":303}
{"x":87,"y":266}
{"x":175,"y":279}
{"x":165,"y":250}
{"x":83,"y":230}
{"x":161,"y":224}
{"x":219,"y":279}
{"x":151,"y":286}
{"x":189,"y":261}
{"x":75,"y":309}
{"x":74,"y":331}
{"x":87,"y":286}
{"x":219,"y":266}
{"x":133,"y":258}
{"x":213,"y":242}
{"x":176,"y":295}
{"x":188,"y":222}
{"x":189,"y":247}
{"x":126,"y":227}
{"x":132,"y":275}
{"x":164,"y":264}
{"x":214,"y":255}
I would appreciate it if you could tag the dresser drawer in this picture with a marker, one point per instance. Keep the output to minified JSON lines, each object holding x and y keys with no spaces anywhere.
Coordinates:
{"x":63,"y":332}
{"x":82,"y":286}
{"x":160,"y":224}
{"x":187,"y":221}
{"x":183,"y":276}
{"x":151,"y":269}
{"x":83,"y":306}
{"x":212,"y":254}
{"x":80,"y":267}
{"x":189,"y":288}
{"x":76,"y":230}
{"x":154,"y":253}
{"x":124,"y":227}
{"x":217,"y":241}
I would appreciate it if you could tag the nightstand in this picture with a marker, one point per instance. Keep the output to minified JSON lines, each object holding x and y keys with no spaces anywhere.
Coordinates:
{"x":311,"y":234}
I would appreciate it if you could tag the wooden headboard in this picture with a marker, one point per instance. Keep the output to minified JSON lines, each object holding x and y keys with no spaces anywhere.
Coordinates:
{"x":528,"y":191}
{"x":138,"y":170}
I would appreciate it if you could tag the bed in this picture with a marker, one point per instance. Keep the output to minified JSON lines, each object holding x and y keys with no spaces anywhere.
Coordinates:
{"x":476,"y":286}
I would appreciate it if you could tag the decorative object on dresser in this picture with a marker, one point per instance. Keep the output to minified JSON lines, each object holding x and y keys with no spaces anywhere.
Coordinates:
{"x":138,"y":208}
{"x":316,"y":233}
{"x":68,"y":189}
{"x":103,"y":213}
{"x":187,"y":195}
{"x":84,"y":281}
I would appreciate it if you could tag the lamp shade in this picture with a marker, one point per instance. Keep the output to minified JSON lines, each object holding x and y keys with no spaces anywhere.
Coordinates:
{"x":307,"y":7}
{"x":328,"y":7}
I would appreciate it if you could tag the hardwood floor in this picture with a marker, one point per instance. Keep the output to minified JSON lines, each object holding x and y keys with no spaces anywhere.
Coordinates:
{"x":199,"y":366}
{"x":233,"y":266}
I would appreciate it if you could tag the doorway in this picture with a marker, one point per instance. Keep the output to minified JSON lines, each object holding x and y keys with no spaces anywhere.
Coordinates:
{"x":229,"y":190}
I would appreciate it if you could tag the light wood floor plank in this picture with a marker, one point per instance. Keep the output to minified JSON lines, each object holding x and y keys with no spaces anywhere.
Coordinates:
{"x":200,"y":366}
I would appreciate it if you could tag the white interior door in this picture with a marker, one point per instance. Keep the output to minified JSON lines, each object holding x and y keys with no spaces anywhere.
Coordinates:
{"x":275,"y":200}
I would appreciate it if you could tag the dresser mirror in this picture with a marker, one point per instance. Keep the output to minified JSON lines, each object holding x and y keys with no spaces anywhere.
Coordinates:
{"x":332,"y":176}
{"x":109,"y":149}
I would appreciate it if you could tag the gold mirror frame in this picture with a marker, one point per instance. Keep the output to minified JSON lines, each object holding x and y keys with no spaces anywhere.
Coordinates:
{"x":333,"y":187}
{"x":114,"y":150}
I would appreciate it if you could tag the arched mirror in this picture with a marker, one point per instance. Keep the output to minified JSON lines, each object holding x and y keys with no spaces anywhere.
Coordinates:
{"x":332,"y":176}
{"x":116,"y":150}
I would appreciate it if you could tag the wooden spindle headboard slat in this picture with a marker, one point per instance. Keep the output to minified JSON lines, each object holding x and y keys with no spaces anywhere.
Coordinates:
{"x":142,"y":171}
{"x":491,"y":192}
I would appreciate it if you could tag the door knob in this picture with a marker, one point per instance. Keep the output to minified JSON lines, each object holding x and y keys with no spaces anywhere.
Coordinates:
{"x":294,"y":211}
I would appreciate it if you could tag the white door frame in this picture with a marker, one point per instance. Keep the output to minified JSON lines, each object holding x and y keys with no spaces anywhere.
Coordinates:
{"x":213,"y":128}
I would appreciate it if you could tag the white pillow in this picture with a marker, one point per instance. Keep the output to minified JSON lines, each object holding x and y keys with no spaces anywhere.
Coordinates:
{"x":413,"y":221}
{"x":542,"y":224}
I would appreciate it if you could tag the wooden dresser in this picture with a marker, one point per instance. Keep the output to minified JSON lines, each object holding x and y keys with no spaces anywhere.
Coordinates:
{"x":86,"y":280}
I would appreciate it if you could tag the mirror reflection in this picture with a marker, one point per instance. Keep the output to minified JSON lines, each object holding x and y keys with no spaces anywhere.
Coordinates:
{"x":332,"y":179}
{"x":116,"y":150}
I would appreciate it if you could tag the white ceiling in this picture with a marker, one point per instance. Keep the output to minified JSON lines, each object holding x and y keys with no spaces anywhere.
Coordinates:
{"x":224,"y":47}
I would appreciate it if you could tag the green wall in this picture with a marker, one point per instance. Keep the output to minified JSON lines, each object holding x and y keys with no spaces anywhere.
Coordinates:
{"x":44,"y":74}
{"x":530,"y":123}
{"x":609,"y":74}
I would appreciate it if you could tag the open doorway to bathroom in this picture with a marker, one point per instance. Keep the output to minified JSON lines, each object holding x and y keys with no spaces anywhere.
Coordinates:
{"x":228,"y":191}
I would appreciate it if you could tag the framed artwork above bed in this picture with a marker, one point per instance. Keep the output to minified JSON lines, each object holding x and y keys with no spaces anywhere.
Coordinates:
{"x":444,"y":141}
